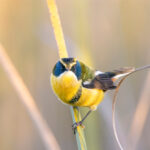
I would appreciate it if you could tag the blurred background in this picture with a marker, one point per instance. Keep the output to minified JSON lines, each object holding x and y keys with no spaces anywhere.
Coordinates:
{"x":110,"y":33}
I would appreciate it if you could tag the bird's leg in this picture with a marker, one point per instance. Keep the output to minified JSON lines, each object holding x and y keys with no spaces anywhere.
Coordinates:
{"x":76,"y":124}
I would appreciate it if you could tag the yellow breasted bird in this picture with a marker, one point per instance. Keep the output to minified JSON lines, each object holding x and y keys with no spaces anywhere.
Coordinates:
{"x":76,"y":84}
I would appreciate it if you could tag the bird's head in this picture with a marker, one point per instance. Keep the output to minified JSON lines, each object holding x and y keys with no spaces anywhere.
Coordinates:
{"x":67,"y":67}
{"x":65,"y":78}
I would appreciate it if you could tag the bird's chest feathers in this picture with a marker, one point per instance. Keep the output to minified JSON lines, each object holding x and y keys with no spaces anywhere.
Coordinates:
{"x":65,"y":86}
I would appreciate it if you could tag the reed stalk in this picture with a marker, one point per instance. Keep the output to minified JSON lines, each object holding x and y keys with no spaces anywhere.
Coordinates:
{"x":55,"y":20}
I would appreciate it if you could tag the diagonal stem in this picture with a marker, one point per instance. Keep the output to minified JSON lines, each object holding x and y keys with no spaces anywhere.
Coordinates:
{"x":29,"y":103}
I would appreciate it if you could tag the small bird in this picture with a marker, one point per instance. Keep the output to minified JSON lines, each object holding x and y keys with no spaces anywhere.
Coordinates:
{"x":76,"y":84}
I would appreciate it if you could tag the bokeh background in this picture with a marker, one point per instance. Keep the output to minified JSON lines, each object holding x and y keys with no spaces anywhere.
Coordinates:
{"x":112,"y":33}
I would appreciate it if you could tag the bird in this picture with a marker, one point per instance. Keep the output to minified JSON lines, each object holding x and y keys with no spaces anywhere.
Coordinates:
{"x":78,"y":85}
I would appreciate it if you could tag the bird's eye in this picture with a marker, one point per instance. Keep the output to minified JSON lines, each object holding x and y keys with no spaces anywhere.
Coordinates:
{"x":77,"y":69}
{"x":58,"y":69}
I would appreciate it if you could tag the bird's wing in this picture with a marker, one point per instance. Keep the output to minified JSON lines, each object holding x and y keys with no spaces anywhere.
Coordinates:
{"x":101,"y":81}
{"x":105,"y":81}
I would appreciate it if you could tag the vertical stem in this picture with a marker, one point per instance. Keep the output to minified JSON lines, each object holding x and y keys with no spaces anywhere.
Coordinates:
{"x":54,"y":17}
{"x":80,"y":134}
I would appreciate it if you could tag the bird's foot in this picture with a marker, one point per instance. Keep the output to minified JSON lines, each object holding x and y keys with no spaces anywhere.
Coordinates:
{"x":75,"y":125}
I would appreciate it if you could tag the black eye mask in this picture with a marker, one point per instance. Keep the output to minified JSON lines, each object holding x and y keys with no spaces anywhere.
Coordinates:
{"x":77,"y":69}
{"x":58,"y":69}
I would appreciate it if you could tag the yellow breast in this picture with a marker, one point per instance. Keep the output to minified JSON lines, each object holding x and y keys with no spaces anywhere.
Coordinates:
{"x":65,"y":86}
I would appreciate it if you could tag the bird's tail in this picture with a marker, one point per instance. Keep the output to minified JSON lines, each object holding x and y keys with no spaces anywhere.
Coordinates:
{"x":105,"y":81}
{"x":118,"y":73}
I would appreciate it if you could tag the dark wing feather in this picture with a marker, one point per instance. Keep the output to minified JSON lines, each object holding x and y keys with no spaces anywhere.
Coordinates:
{"x":105,"y":81}
{"x":102,"y":81}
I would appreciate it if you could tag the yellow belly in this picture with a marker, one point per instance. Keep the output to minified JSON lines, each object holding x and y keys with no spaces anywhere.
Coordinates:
{"x":90,"y":98}
{"x":66,"y":87}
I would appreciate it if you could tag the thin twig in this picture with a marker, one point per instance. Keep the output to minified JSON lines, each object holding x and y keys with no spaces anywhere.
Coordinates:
{"x":114,"y":102}
{"x":29,"y":103}
{"x":107,"y":104}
